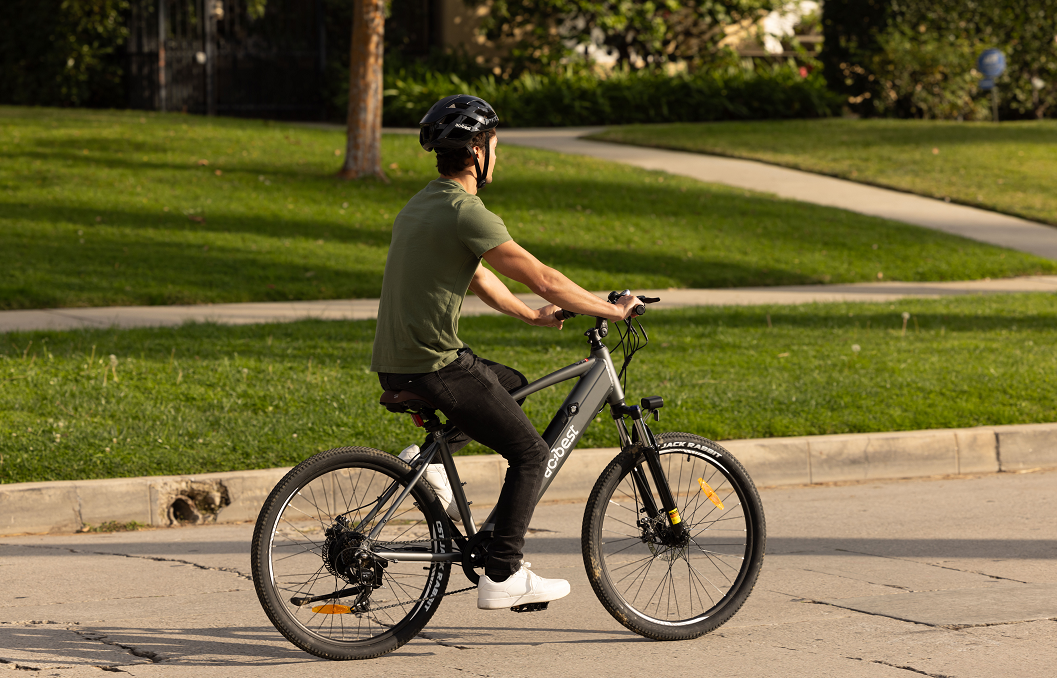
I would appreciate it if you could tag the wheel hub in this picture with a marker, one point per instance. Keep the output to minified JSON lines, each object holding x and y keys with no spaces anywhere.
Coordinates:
{"x":661,"y":539}
{"x":346,"y":557}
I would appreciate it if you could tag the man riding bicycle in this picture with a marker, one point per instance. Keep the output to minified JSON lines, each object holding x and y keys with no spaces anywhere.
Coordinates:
{"x":439,"y":240}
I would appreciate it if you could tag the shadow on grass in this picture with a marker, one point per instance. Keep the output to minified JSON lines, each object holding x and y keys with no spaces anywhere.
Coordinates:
{"x":215,"y":221}
{"x":106,"y":158}
{"x":152,"y":273}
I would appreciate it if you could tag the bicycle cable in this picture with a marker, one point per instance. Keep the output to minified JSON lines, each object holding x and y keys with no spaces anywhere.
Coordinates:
{"x":630,"y":346}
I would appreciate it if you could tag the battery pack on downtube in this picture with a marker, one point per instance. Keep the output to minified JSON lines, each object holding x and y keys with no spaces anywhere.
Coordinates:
{"x":568,"y":425}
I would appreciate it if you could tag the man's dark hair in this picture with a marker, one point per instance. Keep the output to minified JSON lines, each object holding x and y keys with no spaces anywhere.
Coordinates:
{"x":457,"y":159}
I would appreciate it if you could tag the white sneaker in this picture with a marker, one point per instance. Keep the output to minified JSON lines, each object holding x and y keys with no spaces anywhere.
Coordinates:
{"x":524,"y":586}
{"x":437,"y":479}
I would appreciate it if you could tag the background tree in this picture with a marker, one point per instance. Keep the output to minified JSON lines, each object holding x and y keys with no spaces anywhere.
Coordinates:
{"x":637,"y":32}
{"x":363,"y":149}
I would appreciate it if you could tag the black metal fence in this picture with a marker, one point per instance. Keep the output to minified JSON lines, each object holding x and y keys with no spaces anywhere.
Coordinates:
{"x":215,"y":57}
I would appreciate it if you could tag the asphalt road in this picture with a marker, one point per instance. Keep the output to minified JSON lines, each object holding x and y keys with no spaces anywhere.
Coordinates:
{"x":947,"y":577}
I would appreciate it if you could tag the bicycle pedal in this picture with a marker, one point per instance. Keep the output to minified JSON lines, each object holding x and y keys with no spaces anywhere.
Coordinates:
{"x":530,"y":607}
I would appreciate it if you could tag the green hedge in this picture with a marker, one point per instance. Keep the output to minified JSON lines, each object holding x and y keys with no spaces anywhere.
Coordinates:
{"x":63,"y":52}
{"x":916,"y":58}
{"x":570,"y":98}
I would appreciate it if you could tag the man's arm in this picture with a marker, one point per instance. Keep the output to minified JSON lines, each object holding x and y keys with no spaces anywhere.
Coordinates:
{"x":514,"y":261}
{"x":493,"y":292}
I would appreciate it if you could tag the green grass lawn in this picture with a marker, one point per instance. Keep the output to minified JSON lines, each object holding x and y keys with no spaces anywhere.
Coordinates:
{"x":130,"y":208}
{"x":1009,"y":167}
{"x":207,"y":398}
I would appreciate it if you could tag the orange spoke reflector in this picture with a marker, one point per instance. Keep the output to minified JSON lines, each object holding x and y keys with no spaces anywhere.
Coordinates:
{"x":332,"y":609}
{"x":709,"y":493}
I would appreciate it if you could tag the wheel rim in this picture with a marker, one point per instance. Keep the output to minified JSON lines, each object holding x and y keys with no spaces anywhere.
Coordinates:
{"x":318,"y":530}
{"x":678,"y":583}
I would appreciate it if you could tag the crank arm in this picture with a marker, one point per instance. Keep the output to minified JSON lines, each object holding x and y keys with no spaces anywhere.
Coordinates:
{"x":344,"y":593}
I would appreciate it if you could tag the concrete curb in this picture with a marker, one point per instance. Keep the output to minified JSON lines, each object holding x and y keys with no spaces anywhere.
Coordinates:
{"x":68,"y":506}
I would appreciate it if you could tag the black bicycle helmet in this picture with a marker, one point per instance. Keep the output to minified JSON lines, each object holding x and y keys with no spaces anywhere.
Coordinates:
{"x":453,"y":122}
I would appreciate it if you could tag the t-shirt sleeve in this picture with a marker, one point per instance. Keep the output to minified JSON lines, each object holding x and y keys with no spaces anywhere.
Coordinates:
{"x":479,"y":229}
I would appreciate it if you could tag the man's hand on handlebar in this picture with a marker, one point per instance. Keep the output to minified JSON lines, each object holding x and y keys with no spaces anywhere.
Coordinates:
{"x":626,"y":305}
{"x":547,"y":316}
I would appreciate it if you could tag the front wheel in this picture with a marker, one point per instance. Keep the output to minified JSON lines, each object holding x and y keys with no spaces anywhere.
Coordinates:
{"x":660,"y":583}
{"x":312,"y":558}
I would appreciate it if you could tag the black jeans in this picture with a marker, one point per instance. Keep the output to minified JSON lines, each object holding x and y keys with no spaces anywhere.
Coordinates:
{"x":474,"y":394}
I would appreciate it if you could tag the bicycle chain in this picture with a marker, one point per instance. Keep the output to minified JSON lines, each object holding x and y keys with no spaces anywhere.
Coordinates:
{"x":438,"y":595}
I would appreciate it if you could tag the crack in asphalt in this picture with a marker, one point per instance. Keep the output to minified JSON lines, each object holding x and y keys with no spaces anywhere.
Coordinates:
{"x":942,"y":567}
{"x":426,"y":636}
{"x":87,"y":635}
{"x":152,"y":596}
{"x":153,"y":657}
{"x":872,"y":614}
{"x":959,"y":627}
{"x":864,"y":581}
{"x":903,"y":668}
{"x":160,"y":559}
{"x":948,"y":627}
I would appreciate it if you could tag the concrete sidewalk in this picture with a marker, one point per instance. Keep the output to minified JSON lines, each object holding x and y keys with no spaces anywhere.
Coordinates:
{"x":951,"y":577}
{"x":363,"y":309}
{"x":968,"y":222}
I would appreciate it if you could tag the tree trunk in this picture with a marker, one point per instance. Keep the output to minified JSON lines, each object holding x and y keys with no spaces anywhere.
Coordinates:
{"x":363,"y":152}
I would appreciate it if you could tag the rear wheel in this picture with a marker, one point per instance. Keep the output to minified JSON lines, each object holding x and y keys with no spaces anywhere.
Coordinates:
{"x":653,"y":581}
{"x":311,"y":558}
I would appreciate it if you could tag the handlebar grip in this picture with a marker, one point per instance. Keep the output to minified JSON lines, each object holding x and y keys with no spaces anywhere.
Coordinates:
{"x":639,"y":310}
{"x":562,"y":314}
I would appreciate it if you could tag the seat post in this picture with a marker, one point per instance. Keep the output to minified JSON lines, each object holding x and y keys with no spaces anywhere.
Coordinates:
{"x":428,"y":420}
{"x":456,"y":485}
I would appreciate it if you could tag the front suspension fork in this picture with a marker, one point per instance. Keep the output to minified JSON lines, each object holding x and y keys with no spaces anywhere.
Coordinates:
{"x":653,"y":461}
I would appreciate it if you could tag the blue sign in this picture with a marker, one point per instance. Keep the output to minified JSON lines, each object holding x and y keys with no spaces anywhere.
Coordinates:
{"x":991,"y":63}
{"x":986,"y":83}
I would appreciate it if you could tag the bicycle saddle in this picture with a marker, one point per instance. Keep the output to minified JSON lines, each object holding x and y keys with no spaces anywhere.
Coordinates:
{"x":401,"y":402}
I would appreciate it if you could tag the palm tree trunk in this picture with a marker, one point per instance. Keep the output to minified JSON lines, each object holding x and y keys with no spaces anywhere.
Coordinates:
{"x":363,"y":152}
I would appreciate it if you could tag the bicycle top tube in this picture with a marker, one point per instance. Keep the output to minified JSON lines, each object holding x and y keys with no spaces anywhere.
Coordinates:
{"x":568,"y":372}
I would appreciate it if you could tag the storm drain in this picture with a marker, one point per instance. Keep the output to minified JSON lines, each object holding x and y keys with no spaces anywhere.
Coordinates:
{"x":189,"y":502}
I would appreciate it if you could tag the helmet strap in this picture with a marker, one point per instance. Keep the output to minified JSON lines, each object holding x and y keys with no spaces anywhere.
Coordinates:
{"x":482,"y":177}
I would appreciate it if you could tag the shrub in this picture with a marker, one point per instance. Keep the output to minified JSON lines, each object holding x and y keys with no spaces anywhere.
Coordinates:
{"x":62,"y":52}
{"x":579,"y":97}
{"x":923,"y":77}
{"x":916,"y":58}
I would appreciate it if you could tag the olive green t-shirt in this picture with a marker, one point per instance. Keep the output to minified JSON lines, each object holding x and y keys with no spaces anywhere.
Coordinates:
{"x":438,"y":240}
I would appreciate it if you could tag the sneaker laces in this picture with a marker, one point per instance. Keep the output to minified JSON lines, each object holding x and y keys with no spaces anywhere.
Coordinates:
{"x":530,"y":575}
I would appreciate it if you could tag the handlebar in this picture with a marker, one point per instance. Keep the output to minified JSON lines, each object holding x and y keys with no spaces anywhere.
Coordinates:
{"x":562,"y":314}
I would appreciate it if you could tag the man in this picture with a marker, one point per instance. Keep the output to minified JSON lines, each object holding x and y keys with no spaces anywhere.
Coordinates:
{"x":439,"y":239}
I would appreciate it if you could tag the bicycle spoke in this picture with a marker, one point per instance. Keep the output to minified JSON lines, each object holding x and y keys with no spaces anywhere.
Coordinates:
{"x":675,"y":575}
{"x":314,"y":552}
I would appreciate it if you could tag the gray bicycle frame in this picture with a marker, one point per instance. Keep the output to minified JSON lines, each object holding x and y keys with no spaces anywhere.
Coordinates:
{"x":598,"y":386}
